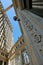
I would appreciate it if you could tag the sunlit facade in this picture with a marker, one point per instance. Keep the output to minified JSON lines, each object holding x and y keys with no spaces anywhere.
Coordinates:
{"x":29,"y":14}
{"x":28,"y":50}
{"x":6,"y":39}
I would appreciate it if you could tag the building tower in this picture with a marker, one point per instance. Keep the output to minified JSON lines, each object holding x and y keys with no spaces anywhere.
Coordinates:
{"x":31,"y":24}
{"x":6,"y":40}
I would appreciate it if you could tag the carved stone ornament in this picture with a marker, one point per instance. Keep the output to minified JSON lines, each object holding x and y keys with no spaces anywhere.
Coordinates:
{"x":29,"y":26}
{"x":37,"y":37}
{"x":26,"y":58}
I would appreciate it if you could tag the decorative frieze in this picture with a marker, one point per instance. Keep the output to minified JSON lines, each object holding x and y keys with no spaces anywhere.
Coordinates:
{"x":26,"y":59}
{"x":37,"y":37}
{"x":31,"y":24}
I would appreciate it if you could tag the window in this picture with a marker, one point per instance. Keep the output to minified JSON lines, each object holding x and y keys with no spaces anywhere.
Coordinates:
{"x":23,"y":40}
{"x":0,"y":62}
{"x":27,"y":4}
{"x":24,"y":3}
{"x":26,"y":57}
{"x":35,"y":6}
{"x":2,"y":54}
{"x":5,"y":63}
{"x":30,"y":4}
{"x":20,"y":42}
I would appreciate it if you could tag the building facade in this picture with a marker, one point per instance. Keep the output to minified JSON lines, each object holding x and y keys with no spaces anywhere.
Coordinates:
{"x":19,"y":54}
{"x":31,"y":21}
{"x":28,"y":50}
{"x":6,"y":39}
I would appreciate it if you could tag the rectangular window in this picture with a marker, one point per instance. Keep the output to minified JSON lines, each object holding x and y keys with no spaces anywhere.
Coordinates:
{"x":27,"y":4}
{"x":35,"y":6}
{"x":0,"y":62}
{"x":24,"y":3}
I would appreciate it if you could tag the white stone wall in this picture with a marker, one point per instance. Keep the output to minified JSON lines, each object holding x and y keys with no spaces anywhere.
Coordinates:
{"x":33,"y":29}
{"x":5,"y":31}
{"x":16,"y":60}
{"x":9,"y":38}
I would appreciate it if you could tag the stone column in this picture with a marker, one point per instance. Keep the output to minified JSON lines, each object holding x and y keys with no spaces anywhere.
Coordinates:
{"x":9,"y":62}
{"x":21,"y":63}
{"x":3,"y":63}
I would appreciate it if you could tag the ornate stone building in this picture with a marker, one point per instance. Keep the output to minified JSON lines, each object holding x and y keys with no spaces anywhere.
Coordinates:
{"x":28,"y":50}
{"x":6,"y":39}
{"x":29,"y":14}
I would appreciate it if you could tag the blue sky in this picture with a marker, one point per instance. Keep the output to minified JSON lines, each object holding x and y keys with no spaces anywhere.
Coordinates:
{"x":11,"y":13}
